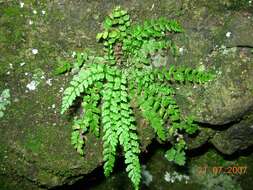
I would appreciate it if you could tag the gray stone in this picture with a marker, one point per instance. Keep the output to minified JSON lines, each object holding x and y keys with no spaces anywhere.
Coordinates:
{"x":237,"y":137}
{"x":35,"y":153}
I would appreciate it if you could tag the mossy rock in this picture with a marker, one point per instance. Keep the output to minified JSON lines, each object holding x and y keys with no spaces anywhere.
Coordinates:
{"x":35,"y":139}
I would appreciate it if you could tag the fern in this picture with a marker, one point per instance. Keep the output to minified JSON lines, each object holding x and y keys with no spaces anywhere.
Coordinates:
{"x":79,"y":128}
{"x":114,"y":84}
{"x":84,"y":79}
{"x":177,"y":153}
{"x":109,"y":119}
{"x":127,"y":136}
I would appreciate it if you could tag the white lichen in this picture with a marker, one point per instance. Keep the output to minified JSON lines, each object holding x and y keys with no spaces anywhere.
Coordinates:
{"x":21,"y":4}
{"x":35,"y":51}
{"x":228,"y":34}
{"x":4,"y":101}
{"x":181,"y":50}
{"x":61,"y":89}
{"x":22,"y":64}
{"x":152,"y":7}
{"x":175,"y":176}
{"x":32,"y":85}
{"x":147,"y":178}
{"x":73,"y":54}
{"x":49,"y":82}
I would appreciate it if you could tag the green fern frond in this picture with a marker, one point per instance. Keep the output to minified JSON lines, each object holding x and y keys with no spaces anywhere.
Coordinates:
{"x":154,"y":119}
{"x":89,"y":120}
{"x":109,"y":149}
{"x":122,"y":74}
{"x":177,"y":152}
{"x":155,"y":28}
{"x":148,"y":47}
{"x":79,"y":128}
{"x":182,"y":74}
{"x":127,"y":136}
{"x":109,"y":120}
{"x":80,"y":82}
{"x":91,"y":115}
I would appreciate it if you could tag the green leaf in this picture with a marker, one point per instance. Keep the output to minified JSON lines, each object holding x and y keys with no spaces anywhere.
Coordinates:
{"x":121,"y":21}
{"x":105,"y":34}
{"x":123,"y":12}
{"x":99,"y":36}
{"x":128,"y":23}
{"x":180,"y":158}
{"x":116,"y":14}
{"x":122,"y":28}
{"x":63,"y":67}
{"x":111,"y":41}
{"x":113,"y":34}
{"x":170,"y":154}
{"x":107,"y":23}
{"x":109,"y":77}
{"x":126,"y":18}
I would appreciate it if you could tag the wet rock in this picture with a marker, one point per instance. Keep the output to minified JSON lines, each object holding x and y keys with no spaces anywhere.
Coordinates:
{"x":200,"y":139}
{"x":237,"y":137}
{"x":240,"y":27}
{"x":230,"y":95}
{"x":35,"y":144}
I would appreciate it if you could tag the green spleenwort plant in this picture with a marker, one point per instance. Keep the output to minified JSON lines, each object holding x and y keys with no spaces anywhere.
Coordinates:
{"x":112,"y":85}
{"x":4,"y":101}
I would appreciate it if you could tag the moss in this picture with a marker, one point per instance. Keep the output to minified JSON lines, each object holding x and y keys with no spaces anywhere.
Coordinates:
{"x":12,"y":182}
{"x":212,"y":158}
{"x":246,"y":180}
{"x":12,"y":34}
{"x":44,"y":177}
{"x":237,"y":5}
{"x":33,"y":143}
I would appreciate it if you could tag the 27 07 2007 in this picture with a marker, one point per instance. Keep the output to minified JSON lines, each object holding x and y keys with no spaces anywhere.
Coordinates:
{"x":232,"y":170}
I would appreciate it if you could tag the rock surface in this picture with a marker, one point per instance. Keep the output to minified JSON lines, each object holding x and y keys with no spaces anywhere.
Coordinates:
{"x":236,"y":137}
{"x":35,"y":150}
